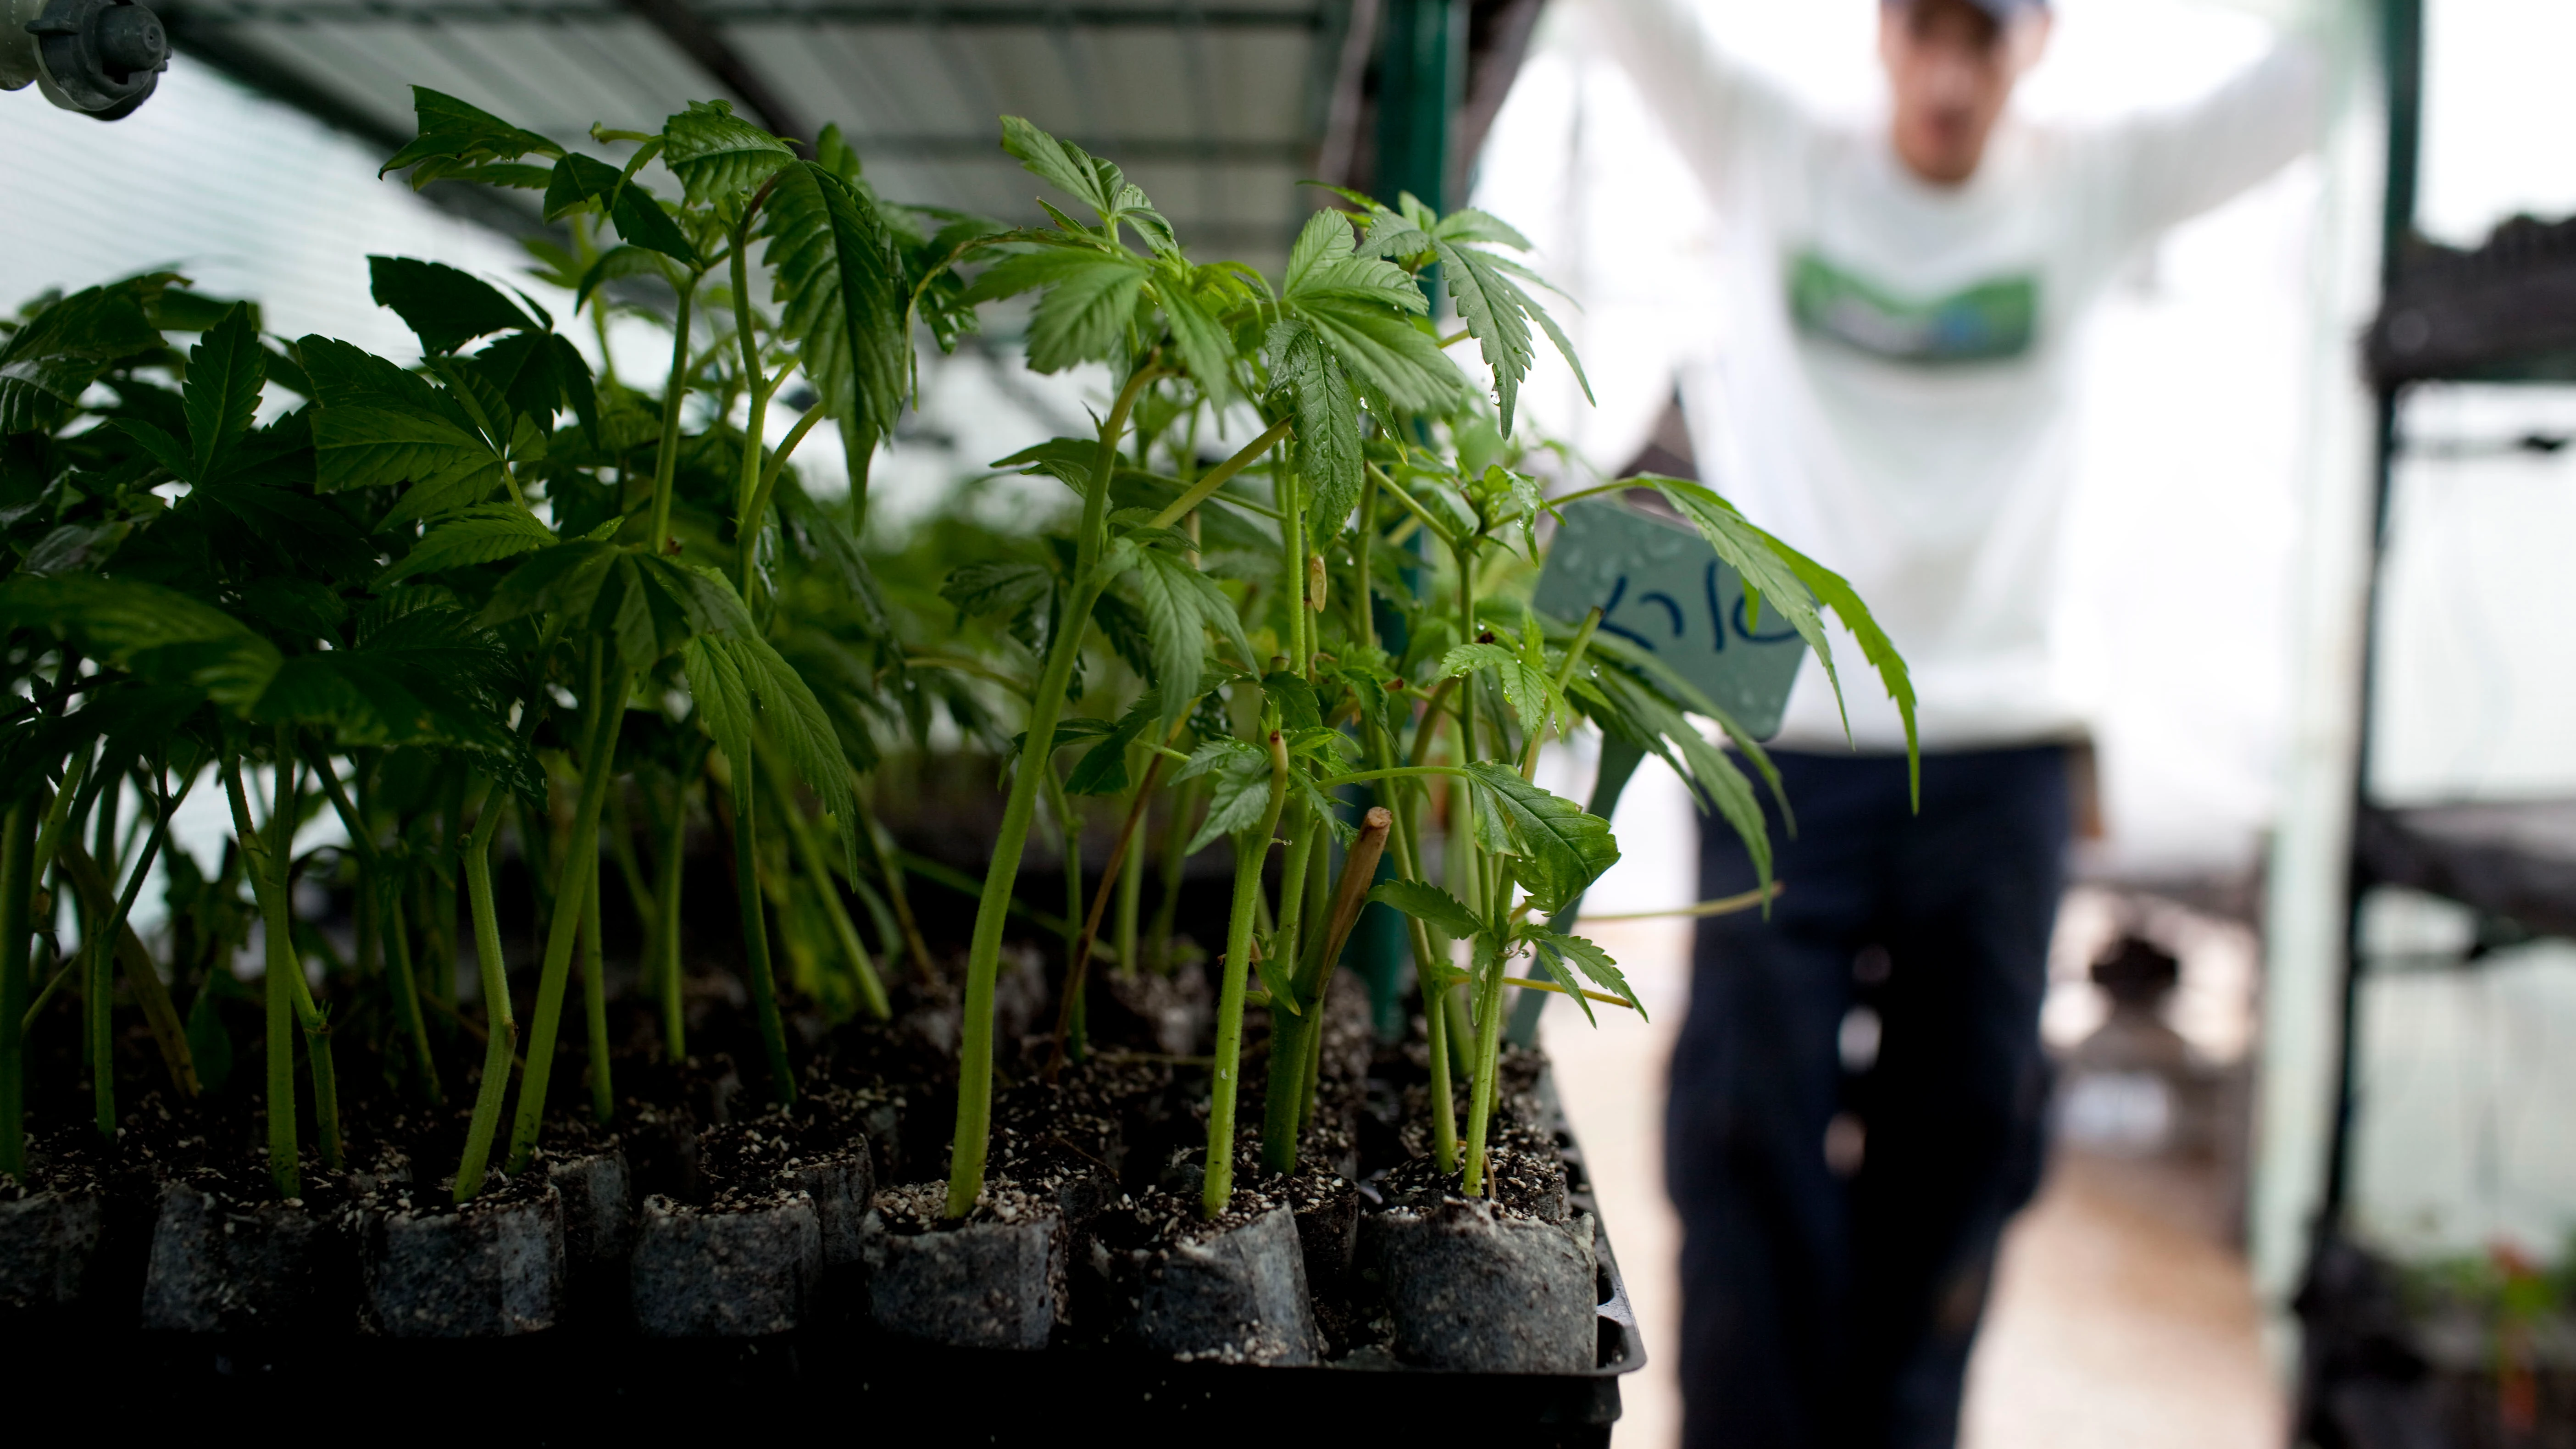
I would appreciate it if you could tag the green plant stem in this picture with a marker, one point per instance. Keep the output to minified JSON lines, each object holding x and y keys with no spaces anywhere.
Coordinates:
{"x":308,"y":1014}
{"x":1131,"y":895}
{"x":675,"y":844}
{"x":580,"y":867}
{"x":1305,"y":828}
{"x":98,"y":1024}
{"x":17,"y":933}
{"x":1046,"y":705}
{"x":666,"y":458}
{"x":374,"y":883}
{"x":109,"y":929}
{"x":770,"y":470}
{"x":1292,"y":585}
{"x":755,"y":933}
{"x":966,"y":885}
{"x":406,"y":984}
{"x":1421,"y":515}
{"x":897,"y":897}
{"x":55,"y":813}
{"x":618,"y":830}
{"x":594,"y":1001}
{"x":1296,"y":1037}
{"x":1253,"y":850}
{"x":1215,"y":477}
{"x":1072,"y":1020}
{"x":1176,"y":843}
{"x":269,"y":887}
{"x":748,"y":500}
{"x":1403,"y":835}
{"x":1564,"y":676}
{"x":1488,"y":1015}
{"x":827,"y":891}
{"x":1068,"y":1010}
{"x":501,"y":1024}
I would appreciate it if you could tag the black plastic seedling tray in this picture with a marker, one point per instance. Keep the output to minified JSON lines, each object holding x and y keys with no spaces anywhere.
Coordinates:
{"x":570,"y":1385}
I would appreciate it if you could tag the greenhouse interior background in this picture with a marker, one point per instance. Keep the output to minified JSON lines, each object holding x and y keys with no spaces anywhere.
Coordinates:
{"x":2214,"y":560}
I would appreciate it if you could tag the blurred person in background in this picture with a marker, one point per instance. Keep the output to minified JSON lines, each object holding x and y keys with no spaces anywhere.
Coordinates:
{"x":1894,"y":397}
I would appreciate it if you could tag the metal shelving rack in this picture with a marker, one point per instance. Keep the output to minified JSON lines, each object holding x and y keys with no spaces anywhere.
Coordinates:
{"x":2504,"y":312}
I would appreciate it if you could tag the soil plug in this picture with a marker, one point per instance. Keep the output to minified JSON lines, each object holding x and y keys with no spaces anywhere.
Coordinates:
{"x":995,"y":1280}
{"x":493,"y":1267}
{"x":1473,"y":1289}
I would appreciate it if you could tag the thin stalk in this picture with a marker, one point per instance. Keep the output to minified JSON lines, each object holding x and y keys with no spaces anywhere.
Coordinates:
{"x":308,"y":1015}
{"x":1363,"y":592}
{"x":1294,"y":1040}
{"x":439,"y":892}
{"x":1526,"y":984}
{"x":1131,"y":896}
{"x":1489,"y":1037}
{"x":373,"y":884}
{"x":1072,"y":1015}
{"x":1722,"y":906}
{"x":1215,"y":477}
{"x":168,"y":1033}
{"x":1253,"y":851}
{"x":45,"y":997}
{"x":501,"y":1024}
{"x":102,"y":947}
{"x":1124,"y":880}
{"x":17,"y":932}
{"x":1564,"y":677}
{"x":896,"y":896}
{"x":778,"y":458}
{"x":1046,"y":705}
{"x":1176,"y":842}
{"x":675,"y":844}
{"x":406,"y":985}
{"x":748,"y":500}
{"x":97,"y":1022}
{"x":594,"y":1002}
{"x":666,"y":458}
{"x":269,"y":887}
{"x":55,"y":813}
{"x":579,"y":868}
{"x":818,"y":869}
{"x":755,"y":933}
{"x":619,"y":832}
{"x":966,"y":885}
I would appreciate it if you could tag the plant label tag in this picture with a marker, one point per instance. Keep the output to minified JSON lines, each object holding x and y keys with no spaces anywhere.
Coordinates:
{"x":1660,"y":588}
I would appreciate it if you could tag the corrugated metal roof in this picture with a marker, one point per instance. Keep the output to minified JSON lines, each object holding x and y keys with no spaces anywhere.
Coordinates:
{"x":1216,"y":107}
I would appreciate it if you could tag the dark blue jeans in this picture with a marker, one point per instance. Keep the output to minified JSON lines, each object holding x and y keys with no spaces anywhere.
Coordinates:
{"x":1824,"y":1305}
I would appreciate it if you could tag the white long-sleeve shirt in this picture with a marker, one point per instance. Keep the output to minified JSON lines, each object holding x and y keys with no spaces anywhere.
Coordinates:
{"x":1893,"y":392}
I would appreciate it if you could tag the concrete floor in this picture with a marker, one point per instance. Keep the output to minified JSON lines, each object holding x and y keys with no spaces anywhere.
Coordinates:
{"x":2120,"y":1320}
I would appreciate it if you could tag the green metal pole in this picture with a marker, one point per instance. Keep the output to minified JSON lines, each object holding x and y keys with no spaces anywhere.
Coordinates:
{"x":1422,"y":80}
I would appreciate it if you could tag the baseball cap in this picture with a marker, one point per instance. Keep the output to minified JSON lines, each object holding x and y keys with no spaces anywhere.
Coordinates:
{"x":2001,"y":11}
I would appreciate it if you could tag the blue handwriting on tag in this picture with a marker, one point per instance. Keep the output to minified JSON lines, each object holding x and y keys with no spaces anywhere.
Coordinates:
{"x":1660,"y":589}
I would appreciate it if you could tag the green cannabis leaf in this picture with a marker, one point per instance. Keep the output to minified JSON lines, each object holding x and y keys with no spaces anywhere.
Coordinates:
{"x":1430,"y":904}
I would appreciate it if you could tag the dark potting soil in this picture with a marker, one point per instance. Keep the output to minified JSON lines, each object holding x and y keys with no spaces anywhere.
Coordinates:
{"x":1523,"y":1179}
{"x":1171,"y":1014}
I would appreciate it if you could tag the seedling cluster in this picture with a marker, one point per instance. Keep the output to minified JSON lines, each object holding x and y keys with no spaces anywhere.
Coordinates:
{"x":506,"y":588}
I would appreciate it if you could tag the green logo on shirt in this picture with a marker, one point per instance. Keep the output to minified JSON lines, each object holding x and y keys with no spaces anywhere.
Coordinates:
{"x":1985,"y":323}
